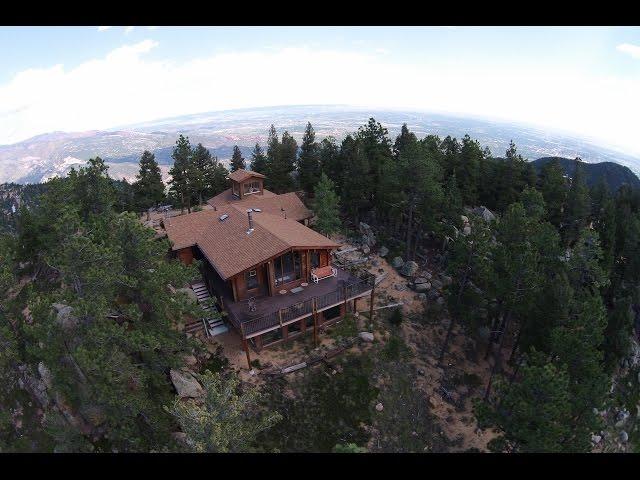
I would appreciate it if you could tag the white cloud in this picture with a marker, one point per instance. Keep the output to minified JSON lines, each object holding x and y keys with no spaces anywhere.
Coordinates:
{"x":102,"y":29}
{"x":127,"y":87}
{"x":633,"y":50}
{"x":128,"y":30}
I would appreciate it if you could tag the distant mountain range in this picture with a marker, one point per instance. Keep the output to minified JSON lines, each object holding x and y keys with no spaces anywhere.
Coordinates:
{"x":44,"y":156}
{"x":615,"y":175}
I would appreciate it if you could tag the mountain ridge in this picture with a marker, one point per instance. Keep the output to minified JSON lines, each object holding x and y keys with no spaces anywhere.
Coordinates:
{"x":50,"y":154}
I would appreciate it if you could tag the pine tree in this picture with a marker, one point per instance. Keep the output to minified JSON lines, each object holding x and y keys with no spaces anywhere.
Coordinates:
{"x":554,"y":189}
{"x":149,"y":188}
{"x":237,"y":161}
{"x":578,"y":206}
{"x":355,"y":189}
{"x":258,"y":160}
{"x":469,"y":265}
{"x":201,"y":162}
{"x":576,"y":344}
{"x":329,"y":155}
{"x":215,"y":176}
{"x":227,"y":422}
{"x":180,"y":172}
{"x":534,"y":414}
{"x":309,"y":161}
{"x":377,"y":149}
{"x":326,"y":206}
{"x":468,"y":171}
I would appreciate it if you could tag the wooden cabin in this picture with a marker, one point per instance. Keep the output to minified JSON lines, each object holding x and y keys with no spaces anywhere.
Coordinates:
{"x":271,"y":273}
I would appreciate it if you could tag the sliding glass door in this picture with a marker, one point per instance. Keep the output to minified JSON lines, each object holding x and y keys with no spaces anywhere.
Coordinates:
{"x":287,"y":268}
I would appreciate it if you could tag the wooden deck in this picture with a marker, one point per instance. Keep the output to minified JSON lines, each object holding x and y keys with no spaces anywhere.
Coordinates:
{"x":271,"y":312}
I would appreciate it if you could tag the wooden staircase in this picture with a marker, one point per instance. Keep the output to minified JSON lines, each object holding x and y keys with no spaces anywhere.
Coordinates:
{"x":212,"y":325}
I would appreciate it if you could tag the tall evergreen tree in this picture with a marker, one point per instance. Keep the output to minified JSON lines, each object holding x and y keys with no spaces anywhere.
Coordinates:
{"x":200,"y":163}
{"x":578,"y":206}
{"x":181,"y":172}
{"x":258,"y":160}
{"x":237,"y":161}
{"x":329,"y":156}
{"x":326,"y":206}
{"x":309,"y":161}
{"x":149,"y":187}
{"x":534,"y":414}
{"x":554,"y":188}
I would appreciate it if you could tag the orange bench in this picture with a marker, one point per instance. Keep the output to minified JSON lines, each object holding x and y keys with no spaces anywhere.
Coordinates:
{"x":321,"y":273}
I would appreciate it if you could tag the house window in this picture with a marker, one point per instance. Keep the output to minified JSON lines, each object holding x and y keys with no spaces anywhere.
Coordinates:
{"x":315,"y":259}
{"x":287,"y":268}
{"x":251,"y":279}
{"x":251,"y":187}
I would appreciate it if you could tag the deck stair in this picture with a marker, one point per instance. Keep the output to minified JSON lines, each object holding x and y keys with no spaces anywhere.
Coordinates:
{"x":212,"y":326}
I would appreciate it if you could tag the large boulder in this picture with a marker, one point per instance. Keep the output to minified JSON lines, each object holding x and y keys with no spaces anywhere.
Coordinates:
{"x":484,"y":213}
{"x":397,"y":262}
{"x":421,"y":280}
{"x":466,"y":230}
{"x":45,"y":374}
{"x":446,"y":279}
{"x":191,"y":295}
{"x":366,"y":337}
{"x":410,"y":268}
{"x":368,"y":237}
{"x":423,"y":287}
{"x":64,"y":316}
{"x":437,"y":284}
{"x":383,"y":251}
{"x":185,"y":384}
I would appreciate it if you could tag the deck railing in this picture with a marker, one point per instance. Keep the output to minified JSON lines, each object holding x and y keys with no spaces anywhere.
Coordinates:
{"x":361,"y":282}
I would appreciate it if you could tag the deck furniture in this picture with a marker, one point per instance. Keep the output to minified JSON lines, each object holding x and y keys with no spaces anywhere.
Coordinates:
{"x":282,"y":292}
{"x":251,"y":303}
{"x":304,"y":284}
{"x":321,"y":273}
{"x":297,"y":290}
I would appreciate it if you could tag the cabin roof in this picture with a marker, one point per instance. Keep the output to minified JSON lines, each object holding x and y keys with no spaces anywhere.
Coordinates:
{"x":268,"y":202}
{"x":228,"y":246}
{"x":241,"y":175}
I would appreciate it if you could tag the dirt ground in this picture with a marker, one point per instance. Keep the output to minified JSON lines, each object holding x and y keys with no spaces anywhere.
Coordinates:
{"x":451,"y":405}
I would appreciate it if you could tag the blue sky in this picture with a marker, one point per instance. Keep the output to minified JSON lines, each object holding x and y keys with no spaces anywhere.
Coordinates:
{"x":580,"y":80}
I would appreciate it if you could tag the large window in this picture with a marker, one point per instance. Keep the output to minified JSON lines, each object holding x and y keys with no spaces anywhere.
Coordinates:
{"x":251,"y":187}
{"x":287,"y":268}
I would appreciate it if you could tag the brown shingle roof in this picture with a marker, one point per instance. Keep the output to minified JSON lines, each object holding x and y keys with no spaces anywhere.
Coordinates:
{"x":241,"y":175}
{"x":227,"y":245}
{"x":268,"y":202}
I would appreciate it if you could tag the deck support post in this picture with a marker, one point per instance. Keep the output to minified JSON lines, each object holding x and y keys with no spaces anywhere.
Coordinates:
{"x":344,"y":292}
{"x":373,"y":291}
{"x":315,"y":323}
{"x":245,"y":345}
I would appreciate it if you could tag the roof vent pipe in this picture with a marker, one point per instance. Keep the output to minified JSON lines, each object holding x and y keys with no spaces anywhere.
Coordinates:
{"x":284,"y":212}
{"x":250,"y":221}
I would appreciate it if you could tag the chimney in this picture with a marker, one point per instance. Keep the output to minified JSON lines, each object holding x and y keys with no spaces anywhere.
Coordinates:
{"x":250,"y":221}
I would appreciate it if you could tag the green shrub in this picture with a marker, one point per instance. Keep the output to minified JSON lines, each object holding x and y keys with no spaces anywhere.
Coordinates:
{"x":396,"y":316}
{"x":345,"y":328}
{"x":395,"y":349}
